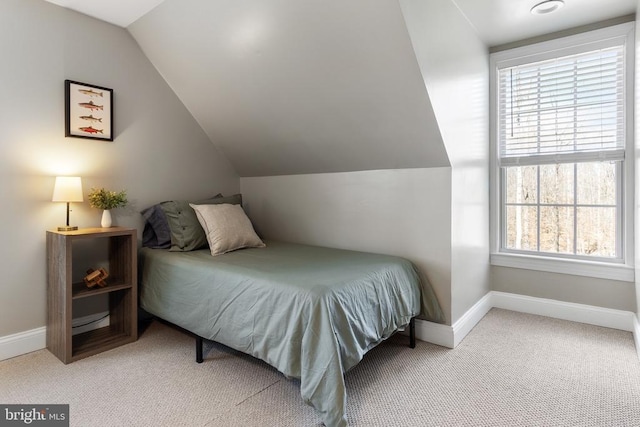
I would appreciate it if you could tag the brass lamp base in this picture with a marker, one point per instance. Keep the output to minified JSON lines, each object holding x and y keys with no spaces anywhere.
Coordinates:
{"x":67,"y":227}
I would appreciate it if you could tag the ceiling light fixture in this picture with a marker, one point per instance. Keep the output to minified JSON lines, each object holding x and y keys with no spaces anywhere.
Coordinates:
{"x":547,"y":6}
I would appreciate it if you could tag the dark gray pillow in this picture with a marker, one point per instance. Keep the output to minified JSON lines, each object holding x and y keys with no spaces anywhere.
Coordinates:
{"x":186,"y":232}
{"x":156,"y":232}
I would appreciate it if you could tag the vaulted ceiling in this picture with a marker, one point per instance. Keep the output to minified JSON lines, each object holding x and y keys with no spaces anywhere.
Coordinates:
{"x":495,"y":21}
{"x":288,"y":87}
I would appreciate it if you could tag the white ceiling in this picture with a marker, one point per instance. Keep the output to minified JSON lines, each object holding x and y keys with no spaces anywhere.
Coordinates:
{"x":504,"y":21}
{"x":118,"y":12}
{"x":496,"y":21}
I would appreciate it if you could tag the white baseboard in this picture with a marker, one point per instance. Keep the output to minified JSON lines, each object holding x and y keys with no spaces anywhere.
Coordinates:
{"x":36,"y":339}
{"x":451,"y":336}
{"x":434,"y":333}
{"x":465,"y":324}
{"x":23,"y":343}
{"x":581,"y":313}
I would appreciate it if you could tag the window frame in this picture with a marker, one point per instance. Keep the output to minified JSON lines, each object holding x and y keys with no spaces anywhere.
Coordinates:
{"x":615,"y":268}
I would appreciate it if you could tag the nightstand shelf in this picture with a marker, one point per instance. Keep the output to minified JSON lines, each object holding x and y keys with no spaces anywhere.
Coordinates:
{"x":62,"y":291}
{"x":97,"y":341}
{"x":80,"y":290}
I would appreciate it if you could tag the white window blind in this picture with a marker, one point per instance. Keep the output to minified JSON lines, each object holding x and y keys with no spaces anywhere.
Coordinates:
{"x":569,"y":109}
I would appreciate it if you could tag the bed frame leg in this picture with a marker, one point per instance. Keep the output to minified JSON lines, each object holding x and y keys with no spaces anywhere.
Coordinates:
{"x":199,"y":349}
{"x":412,"y":332}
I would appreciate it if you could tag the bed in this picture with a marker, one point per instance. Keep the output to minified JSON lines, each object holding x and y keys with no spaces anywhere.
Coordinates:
{"x":310,"y":312}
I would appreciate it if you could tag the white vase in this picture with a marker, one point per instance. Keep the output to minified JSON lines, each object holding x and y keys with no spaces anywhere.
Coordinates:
{"x":106,"y":219}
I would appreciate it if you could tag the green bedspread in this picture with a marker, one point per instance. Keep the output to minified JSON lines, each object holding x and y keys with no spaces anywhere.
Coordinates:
{"x":310,"y":312}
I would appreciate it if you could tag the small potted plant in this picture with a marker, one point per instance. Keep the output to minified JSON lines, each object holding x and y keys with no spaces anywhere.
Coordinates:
{"x":106,"y":200}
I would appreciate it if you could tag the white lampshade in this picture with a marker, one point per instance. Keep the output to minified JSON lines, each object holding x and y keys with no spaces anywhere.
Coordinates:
{"x":67,"y":189}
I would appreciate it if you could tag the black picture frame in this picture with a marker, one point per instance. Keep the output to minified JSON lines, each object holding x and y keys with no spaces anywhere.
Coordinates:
{"x":88,"y":111}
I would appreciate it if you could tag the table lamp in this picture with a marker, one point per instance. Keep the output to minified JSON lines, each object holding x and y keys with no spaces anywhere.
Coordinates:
{"x":67,"y":189}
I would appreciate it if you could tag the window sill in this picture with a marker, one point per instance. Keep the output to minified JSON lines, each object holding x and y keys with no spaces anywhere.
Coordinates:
{"x":599,"y":270}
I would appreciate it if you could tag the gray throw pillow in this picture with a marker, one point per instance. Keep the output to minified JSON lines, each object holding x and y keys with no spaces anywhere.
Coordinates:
{"x":186,"y":232}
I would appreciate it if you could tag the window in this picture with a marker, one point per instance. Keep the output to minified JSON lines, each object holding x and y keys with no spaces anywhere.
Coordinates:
{"x":560,"y":142}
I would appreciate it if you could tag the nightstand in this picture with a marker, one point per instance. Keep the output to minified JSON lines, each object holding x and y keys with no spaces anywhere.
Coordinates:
{"x":62,"y":291}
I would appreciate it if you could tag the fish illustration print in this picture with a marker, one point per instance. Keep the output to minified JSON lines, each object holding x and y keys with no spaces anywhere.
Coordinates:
{"x":90,"y":105}
{"x":89,"y":129}
{"x":90,"y":92}
{"x":91,"y":118}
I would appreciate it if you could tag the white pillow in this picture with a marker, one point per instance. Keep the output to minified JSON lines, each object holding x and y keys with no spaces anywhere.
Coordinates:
{"x":227,"y":228}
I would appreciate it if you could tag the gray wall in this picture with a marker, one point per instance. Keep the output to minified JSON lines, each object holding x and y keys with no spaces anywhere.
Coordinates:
{"x":398,"y":212}
{"x":159,"y":152}
{"x":455,"y":67}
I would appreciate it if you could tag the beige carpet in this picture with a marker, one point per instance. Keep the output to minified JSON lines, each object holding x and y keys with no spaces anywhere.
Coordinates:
{"x":513,"y":369}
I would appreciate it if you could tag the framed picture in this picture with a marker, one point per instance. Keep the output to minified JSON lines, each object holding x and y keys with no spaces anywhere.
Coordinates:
{"x":88,"y":111}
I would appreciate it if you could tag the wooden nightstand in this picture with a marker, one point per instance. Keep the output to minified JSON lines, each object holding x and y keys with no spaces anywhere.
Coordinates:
{"x":62,"y":291}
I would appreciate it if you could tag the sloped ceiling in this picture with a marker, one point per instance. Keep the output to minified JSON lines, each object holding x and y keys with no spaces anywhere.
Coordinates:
{"x":117,"y":12}
{"x":289,"y":87}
